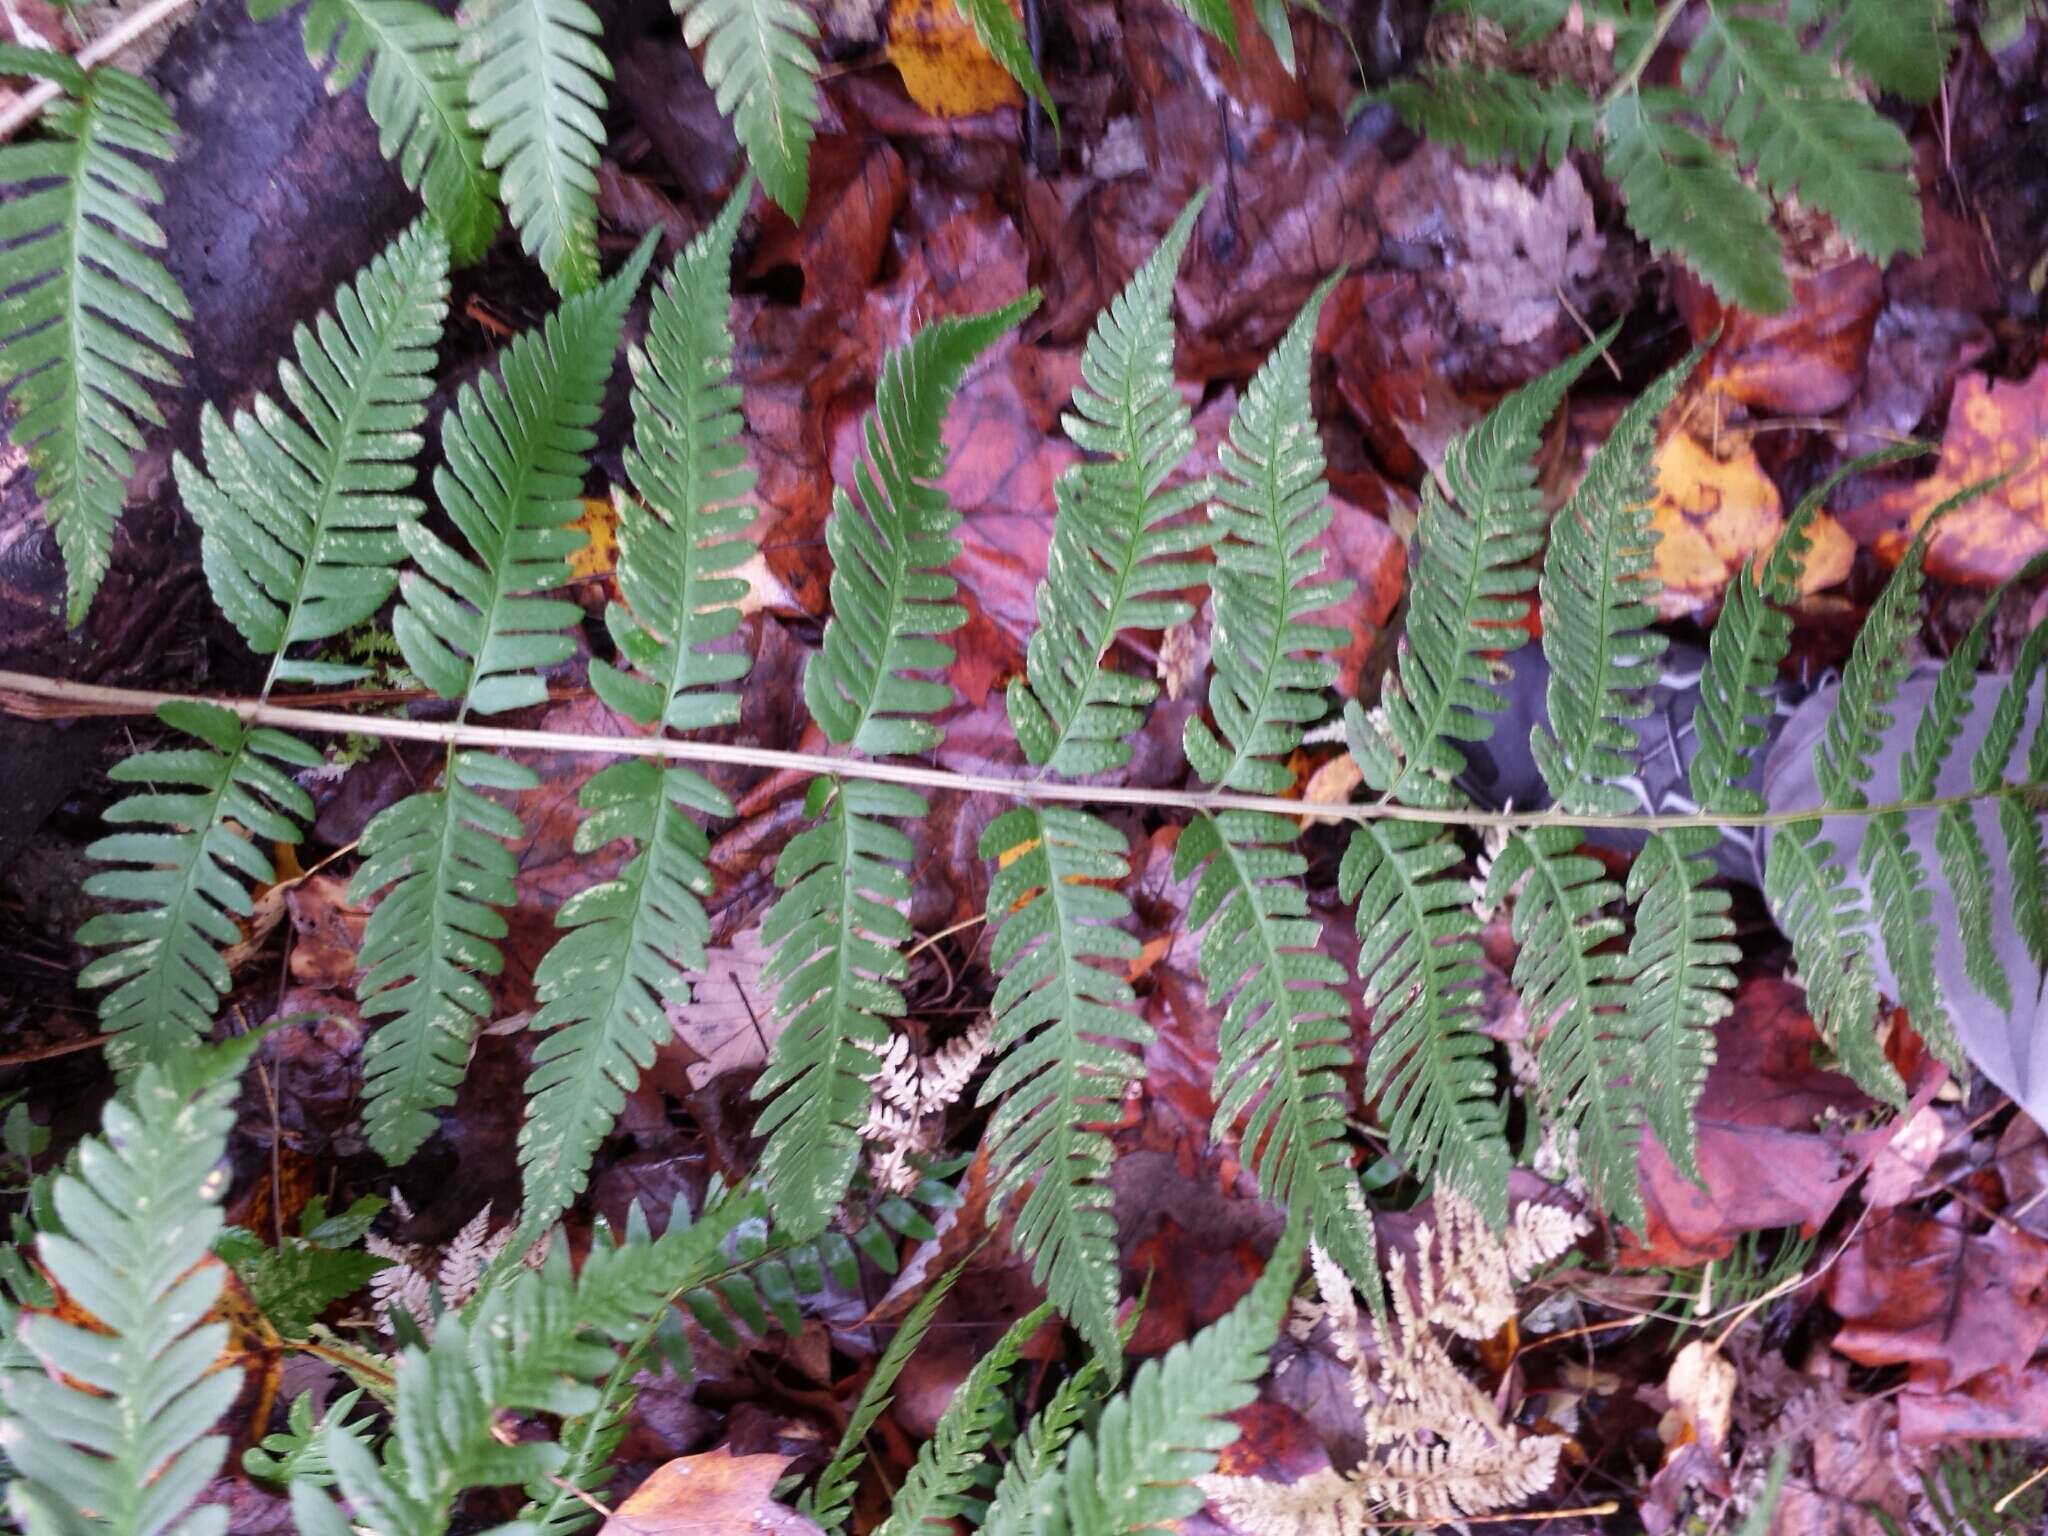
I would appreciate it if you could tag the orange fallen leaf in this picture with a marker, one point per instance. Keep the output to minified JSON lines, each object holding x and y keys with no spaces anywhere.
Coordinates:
{"x":943,"y":64}
{"x":1712,"y":512}
{"x":1994,"y":428}
{"x":715,"y":1494}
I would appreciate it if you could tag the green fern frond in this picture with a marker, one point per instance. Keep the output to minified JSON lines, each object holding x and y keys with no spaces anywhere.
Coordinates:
{"x":299,"y":519}
{"x":1430,"y":1069}
{"x":477,"y":632}
{"x":418,"y":96}
{"x":1214,"y":17}
{"x":1136,"y":1469}
{"x":92,"y":317}
{"x":890,"y":544}
{"x":1493,"y":115}
{"x":1115,"y":549}
{"x":1685,"y":198}
{"x":1964,"y":861}
{"x":443,"y":855}
{"x":1067,"y":1034}
{"x":934,"y":1490}
{"x":1283,"y":1043}
{"x":1680,"y":964}
{"x":1476,"y":532}
{"x":214,"y":808}
{"x":111,"y":1434}
{"x":1014,"y":1511}
{"x":835,"y":937}
{"x":1272,"y":667}
{"x":1002,"y":34}
{"x":1599,"y":593}
{"x":606,"y":985}
{"x":1802,"y":129}
{"x":830,"y":1500}
{"x":1570,"y":979}
{"x":759,"y":65}
{"x":517,"y":1348}
{"x":834,"y":933}
{"x":1809,"y":890}
{"x":299,"y":515}
{"x":535,"y":91}
{"x":1904,"y":46}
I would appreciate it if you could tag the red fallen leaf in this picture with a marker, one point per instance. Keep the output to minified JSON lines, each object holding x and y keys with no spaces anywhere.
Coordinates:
{"x":1364,"y":550}
{"x":1276,"y":1444}
{"x":1808,"y":360}
{"x":1764,"y":1158}
{"x":2005,"y":1404}
{"x":1916,"y":1289}
{"x":715,"y":1494}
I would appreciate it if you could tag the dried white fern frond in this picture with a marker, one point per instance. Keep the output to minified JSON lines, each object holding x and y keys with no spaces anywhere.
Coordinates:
{"x":1440,"y":1449}
{"x":910,"y":1094}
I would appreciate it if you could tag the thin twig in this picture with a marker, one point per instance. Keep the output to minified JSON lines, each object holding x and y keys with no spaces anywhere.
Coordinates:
{"x":2000,"y":1507}
{"x":130,"y":29}
{"x":55,"y":693}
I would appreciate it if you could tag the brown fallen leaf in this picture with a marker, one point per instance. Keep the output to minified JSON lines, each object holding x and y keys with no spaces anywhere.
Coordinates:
{"x":729,"y":1022}
{"x":1807,"y":361}
{"x":1994,"y":428}
{"x":715,"y":1494}
{"x":944,"y":67}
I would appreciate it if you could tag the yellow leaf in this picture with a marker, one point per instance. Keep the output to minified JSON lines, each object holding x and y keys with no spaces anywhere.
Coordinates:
{"x":599,"y":554}
{"x":944,"y":67}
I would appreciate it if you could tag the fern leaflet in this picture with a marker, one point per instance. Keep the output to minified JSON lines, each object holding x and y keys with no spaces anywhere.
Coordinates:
{"x":605,"y":987}
{"x":834,"y":933}
{"x":1805,"y":132}
{"x":418,"y":96}
{"x":1002,"y":34}
{"x":1492,"y":115}
{"x":535,"y":92}
{"x":1066,"y":1029}
{"x":1683,"y":196}
{"x":934,"y":1490}
{"x":1283,"y":1042}
{"x":1114,"y":552}
{"x":92,"y":317}
{"x":477,"y":633}
{"x":298,"y":522}
{"x":1065,"y":1024}
{"x":111,"y":1433}
{"x":1135,"y":1470}
{"x":758,"y":63}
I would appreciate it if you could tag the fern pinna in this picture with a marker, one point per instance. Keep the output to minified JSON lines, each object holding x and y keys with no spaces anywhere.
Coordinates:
{"x":836,"y":931}
{"x":108,"y":1430}
{"x":605,"y":989}
{"x":300,"y":517}
{"x":417,"y":95}
{"x":477,"y":631}
{"x":1284,"y":1040}
{"x":1065,"y":1023}
{"x":93,"y":319}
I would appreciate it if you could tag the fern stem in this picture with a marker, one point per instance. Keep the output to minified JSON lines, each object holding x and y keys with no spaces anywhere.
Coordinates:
{"x":1629,"y":77}
{"x":30,"y":104}
{"x":64,"y":699}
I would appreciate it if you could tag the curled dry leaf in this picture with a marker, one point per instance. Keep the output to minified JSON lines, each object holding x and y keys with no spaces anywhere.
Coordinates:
{"x":715,"y":1494}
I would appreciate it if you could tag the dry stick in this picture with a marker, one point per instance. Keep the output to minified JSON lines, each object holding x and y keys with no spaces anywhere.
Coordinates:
{"x":39,"y":96}
{"x":59,"y":697}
